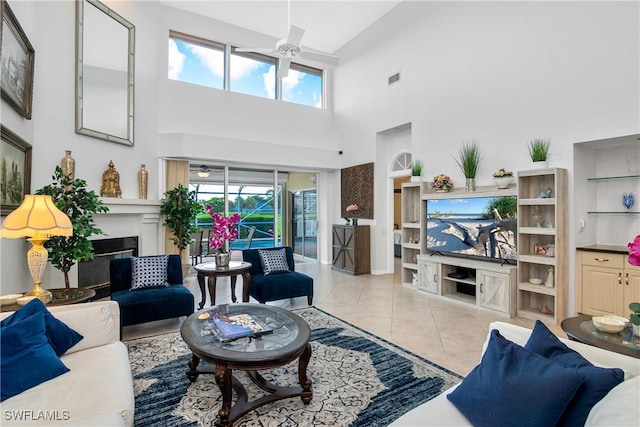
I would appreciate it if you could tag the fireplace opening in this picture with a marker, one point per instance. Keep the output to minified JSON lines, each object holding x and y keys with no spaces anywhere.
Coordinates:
{"x":94,"y":274}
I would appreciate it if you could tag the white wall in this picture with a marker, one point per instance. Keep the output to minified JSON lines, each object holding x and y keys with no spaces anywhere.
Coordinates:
{"x":499,"y":72}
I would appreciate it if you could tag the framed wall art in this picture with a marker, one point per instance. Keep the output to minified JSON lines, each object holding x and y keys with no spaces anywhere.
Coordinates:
{"x":357,"y":188}
{"x":16,"y":65}
{"x":15,"y":170}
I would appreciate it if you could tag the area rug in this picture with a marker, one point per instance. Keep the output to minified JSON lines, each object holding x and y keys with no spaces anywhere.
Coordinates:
{"x":358,"y":380}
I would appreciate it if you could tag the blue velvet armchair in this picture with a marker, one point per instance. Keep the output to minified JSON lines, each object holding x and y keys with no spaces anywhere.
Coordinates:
{"x":146,"y":305}
{"x":275,"y":286}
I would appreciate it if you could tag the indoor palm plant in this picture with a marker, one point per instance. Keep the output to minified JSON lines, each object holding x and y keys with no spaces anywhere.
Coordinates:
{"x":539,"y":152}
{"x":468,"y":161}
{"x":180,"y":208}
{"x":72,"y":197}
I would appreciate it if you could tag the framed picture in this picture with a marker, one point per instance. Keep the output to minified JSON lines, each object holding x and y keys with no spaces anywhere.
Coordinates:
{"x":16,"y":82}
{"x":15,"y":170}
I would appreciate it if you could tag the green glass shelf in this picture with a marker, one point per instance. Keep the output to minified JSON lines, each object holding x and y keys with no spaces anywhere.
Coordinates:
{"x":609,"y":178}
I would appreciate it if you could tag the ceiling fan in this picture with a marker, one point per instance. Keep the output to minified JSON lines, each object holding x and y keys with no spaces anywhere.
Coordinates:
{"x":289,"y":48}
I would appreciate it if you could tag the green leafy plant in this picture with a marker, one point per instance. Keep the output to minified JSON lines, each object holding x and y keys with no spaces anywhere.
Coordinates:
{"x":635,"y":313}
{"x":180,"y":208}
{"x":469,"y":158}
{"x":539,"y":149}
{"x":80,"y":205}
{"x":416,"y":167}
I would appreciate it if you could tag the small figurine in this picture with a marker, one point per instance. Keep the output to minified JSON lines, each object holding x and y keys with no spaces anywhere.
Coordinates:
{"x":549,"y":282}
{"x":545,"y":194}
{"x":110,"y":182}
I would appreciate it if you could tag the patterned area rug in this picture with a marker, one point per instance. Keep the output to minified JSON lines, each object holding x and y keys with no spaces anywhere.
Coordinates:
{"x":358,"y":380}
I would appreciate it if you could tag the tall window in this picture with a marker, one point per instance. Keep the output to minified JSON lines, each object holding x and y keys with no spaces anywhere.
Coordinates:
{"x":195,"y":60}
{"x":203,"y":62}
{"x":303,"y":86}
{"x":253,"y":74}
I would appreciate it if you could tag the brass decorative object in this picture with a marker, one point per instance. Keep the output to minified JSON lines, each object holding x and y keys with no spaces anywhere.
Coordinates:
{"x":110,"y":182}
{"x":68,"y":165}
{"x":143,"y":180}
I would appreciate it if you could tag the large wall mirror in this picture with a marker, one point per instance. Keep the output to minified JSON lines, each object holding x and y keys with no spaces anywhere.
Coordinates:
{"x":105,"y":44}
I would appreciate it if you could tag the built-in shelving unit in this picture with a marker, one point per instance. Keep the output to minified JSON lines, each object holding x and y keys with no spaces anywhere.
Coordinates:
{"x":542,"y":244}
{"x":413,"y":234}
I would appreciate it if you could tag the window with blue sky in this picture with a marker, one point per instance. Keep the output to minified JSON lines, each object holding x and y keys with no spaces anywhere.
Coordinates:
{"x":202,"y":62}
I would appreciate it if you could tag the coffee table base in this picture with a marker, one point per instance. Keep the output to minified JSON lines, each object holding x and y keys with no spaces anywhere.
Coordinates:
{"x":227,"y":383}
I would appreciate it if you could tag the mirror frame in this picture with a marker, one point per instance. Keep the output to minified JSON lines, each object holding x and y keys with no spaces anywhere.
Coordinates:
{"x":128,"y":140}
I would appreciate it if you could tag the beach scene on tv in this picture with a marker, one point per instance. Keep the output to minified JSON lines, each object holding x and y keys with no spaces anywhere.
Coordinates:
{"x":473,"y":226}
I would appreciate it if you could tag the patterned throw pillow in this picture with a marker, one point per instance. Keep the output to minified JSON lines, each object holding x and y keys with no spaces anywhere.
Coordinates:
{"x":274,"y":261}
{"x":149,"y":272}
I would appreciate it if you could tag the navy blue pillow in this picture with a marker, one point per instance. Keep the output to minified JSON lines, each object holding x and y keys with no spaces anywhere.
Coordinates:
{"x":60,"y":336}
{"x":513,"y":386}
{"x":26,"y":357}
{"x":598,"y":381}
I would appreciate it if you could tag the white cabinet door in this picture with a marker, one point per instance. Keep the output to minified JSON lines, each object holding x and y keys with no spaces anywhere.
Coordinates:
{"x":494,"y":290}
{"x":428,"y":276}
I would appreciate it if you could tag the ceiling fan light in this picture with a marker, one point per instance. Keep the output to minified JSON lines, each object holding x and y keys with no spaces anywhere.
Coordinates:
{"x":203,"y":174}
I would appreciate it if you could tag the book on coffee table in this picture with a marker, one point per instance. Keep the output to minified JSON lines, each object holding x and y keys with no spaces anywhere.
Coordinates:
{"x":231,"y":327}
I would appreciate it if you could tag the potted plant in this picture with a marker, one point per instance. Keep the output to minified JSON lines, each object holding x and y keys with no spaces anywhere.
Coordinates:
{"x":180,"y":208}
{"x":503,"y":178}
{"x":468,"y":161}
{"x":441,"y":183}
{"x":539,"y":152}
{"x":72,"y":198}
{"x":416,"y":170}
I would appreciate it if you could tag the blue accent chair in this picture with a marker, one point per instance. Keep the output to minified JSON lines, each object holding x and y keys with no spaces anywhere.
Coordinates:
{"x":275,"y":286}
{"x":147,"y":305}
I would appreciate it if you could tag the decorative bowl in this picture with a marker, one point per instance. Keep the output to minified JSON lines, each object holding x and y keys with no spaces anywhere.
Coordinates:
{"x":24,"y":300}
{"x":535,"y":281}
{"x":609,"y":323}
{"x":9,"y":299}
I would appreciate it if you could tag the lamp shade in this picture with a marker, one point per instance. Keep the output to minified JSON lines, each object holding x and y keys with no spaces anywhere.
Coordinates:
{"x":37,"y":215}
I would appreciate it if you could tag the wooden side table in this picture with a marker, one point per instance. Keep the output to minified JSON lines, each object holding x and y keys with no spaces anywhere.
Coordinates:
{"x":61,"y":296}
{"x":211,"y":270}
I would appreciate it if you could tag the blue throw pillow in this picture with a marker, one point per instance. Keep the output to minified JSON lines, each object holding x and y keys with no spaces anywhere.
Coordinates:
{"x":598,"y":381}
{"x":60,"y":336}
{"x":515,"y":387}
{"x":26,"y":357}
{"x":149,"y":272}
{"x":274,"y":261}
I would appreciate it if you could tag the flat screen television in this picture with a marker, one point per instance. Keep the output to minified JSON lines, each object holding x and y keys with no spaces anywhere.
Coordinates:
{"x":478,"y":227}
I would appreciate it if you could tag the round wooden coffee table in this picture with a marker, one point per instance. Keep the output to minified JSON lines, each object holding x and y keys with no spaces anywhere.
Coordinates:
{"x":581,"y":329}
{"x":212,"y":271}
{"x":288,"y":341}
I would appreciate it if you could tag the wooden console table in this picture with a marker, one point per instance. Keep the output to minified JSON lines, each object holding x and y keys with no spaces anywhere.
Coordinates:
{"x":351,"y":252}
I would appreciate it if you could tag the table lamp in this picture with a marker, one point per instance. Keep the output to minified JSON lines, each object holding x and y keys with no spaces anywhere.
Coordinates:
{"x":38,"y":218}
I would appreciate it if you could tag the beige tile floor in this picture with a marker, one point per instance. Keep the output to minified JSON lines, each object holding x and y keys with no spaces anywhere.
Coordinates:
{"x":445,"y":332}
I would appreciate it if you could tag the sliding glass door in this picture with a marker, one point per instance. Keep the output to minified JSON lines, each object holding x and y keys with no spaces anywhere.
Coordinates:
{"x":304,"y":221}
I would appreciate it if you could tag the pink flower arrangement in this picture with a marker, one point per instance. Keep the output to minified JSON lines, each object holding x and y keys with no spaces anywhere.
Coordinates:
{"x":634,"y":251}
{"x":352,"y":208}
{"x":223,"y":230}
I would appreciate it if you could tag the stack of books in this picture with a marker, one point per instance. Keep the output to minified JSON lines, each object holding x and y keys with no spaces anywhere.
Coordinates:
{"x":229,"y":327}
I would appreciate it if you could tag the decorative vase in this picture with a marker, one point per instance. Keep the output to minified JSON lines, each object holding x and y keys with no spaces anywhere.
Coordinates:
{"x":68,"y":165}
{"x":442,"y":190}
{"x":143,"y":179}
{"x":222,"y":259}
{"x":502,"y":181}
{"x":470,"y":184}
{"x":628,"y":200}
{"x":636,"y":330}
{"x":354,"y":221}
{"x":539,"y":165}
{"x":549,"y":283}
{"x":416,"y":178}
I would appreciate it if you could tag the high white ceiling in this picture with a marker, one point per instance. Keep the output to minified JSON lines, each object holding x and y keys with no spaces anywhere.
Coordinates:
{"x":329,"y":24}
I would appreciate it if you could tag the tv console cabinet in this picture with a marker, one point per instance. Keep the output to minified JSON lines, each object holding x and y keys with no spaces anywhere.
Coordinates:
{"x":489,"y":285}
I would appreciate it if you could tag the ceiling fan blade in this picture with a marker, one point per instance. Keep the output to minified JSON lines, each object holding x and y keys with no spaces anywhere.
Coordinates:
{"x":320,"y":57}
{"x":295,"y":35}
{"x":283,"y":68}
{"x":254,"y":49}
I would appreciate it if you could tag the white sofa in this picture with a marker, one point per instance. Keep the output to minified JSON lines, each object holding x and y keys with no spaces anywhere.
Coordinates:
{"x":98,"y":389}
{"x":620,"y":407}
